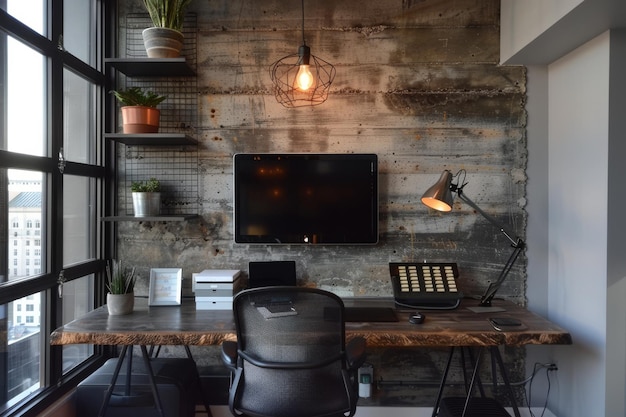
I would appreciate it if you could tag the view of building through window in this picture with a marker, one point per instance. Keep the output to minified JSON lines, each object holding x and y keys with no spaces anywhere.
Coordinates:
{"x":33,"y":190}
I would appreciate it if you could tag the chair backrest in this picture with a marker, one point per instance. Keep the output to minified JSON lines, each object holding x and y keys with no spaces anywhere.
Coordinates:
{"x":269,"y":273}
{"x":291,"y":354}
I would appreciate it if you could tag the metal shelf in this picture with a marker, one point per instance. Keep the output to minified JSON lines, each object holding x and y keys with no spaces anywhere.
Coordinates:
{"x":152,"y":139}
{"x":172,"y":218}
{"x":152,"y":67}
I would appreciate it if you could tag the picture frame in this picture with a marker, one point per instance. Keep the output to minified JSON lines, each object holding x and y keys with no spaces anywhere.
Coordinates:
{"x":165,"y":286}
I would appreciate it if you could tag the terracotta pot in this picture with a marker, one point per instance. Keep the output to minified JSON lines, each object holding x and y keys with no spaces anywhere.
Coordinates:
{"x":120,"y":304}
{"x":162,"y":42}
{"x":146,"y":204}
{"x":140,"y":119}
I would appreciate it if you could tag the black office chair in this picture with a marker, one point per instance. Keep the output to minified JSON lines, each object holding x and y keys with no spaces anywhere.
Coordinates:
{"x":290,"y":358}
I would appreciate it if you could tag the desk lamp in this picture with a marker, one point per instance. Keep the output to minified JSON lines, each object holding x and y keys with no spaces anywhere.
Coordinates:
{"x":439,"y":197}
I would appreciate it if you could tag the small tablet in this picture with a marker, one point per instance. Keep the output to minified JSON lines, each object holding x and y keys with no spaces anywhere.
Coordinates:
{"x":277,"y":310}
{"x":504,"y":323}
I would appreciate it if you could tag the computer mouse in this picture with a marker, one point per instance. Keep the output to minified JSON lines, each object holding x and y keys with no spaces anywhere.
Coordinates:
{"x":416,"y":318}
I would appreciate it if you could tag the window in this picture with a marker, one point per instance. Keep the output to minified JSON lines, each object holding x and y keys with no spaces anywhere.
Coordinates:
{"x":52,"y":177}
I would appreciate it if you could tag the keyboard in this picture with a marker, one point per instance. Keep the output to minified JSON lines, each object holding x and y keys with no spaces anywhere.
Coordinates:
{"x":371,"y":314}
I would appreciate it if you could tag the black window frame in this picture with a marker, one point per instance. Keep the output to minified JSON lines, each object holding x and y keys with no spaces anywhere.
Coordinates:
{"x":54,"y":383}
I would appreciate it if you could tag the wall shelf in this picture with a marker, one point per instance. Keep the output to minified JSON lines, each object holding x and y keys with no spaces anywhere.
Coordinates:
{"x":170,"y":155}
{"x":164,"y":218}
{"x":152,"y":67}
{"x":152,"y":139}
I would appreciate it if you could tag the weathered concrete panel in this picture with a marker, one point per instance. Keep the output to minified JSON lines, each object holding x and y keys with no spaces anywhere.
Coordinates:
{"x":418,"y":83}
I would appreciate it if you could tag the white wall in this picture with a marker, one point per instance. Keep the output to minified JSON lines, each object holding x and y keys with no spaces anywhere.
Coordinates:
{"x":616,"y":259}
{"x":532,"y":18}
{"x":577,"y":182}
{"x":537,"y":226}
{"x":576,"y":163}
{"x":540,"y":32}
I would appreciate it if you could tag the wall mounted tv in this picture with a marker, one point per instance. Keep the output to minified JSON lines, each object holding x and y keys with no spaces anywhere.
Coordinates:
{"x":329,"y":199}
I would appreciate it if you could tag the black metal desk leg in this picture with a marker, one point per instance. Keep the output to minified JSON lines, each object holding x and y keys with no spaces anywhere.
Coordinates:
{"x":472,"y":381}
{"x":443,"y":382}
{"x":109,"y":392}
{"x":153,"y":385}
{"x":495,"y":352}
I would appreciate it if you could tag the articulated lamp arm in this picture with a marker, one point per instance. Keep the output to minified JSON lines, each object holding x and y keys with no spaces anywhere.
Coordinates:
{"x":439,"y":197}
{"x":517,"y":243}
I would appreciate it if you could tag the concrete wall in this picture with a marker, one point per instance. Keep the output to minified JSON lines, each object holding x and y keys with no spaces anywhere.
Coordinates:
{"x":418,"y":83}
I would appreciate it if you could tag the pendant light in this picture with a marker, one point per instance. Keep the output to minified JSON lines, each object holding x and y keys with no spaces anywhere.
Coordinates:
{"x":301,"y":79}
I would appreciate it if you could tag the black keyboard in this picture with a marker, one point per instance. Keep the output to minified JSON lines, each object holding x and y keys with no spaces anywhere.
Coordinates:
{"x":371,"y":314}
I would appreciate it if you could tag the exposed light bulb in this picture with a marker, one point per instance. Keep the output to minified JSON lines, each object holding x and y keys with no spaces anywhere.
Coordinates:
{"x":304,"y":78}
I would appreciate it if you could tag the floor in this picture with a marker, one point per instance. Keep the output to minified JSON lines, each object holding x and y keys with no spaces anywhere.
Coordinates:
{"x":222,"y":411}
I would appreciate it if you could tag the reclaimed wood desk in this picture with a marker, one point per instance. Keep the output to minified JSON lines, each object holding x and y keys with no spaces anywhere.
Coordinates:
{"x":184,"y":325}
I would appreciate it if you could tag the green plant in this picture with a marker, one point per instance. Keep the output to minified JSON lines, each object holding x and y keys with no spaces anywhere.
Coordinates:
{"x":167,"y":13}
{"x":120,"y":280}
{"x":151,"y":186}
{"x":136,"y":96}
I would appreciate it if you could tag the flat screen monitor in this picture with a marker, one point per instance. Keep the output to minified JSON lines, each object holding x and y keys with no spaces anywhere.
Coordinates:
{"x":306,"y":198}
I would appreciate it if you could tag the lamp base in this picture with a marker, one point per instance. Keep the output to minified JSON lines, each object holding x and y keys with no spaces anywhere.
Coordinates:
{"x":485,"y":309}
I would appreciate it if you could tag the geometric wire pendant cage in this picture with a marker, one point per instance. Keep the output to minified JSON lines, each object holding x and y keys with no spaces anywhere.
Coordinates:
{"x":285,"y":75}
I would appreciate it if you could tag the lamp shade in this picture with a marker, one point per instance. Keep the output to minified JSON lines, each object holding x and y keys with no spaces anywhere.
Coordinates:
{"x":439,"y":196}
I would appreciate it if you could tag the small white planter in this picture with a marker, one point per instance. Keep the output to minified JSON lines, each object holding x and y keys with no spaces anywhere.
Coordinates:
{"x":120,"y":304}
{"x":146,"y":204}
{"x":162,"y":42}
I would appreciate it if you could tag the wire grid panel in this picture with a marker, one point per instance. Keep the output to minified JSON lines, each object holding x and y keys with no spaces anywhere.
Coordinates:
{"x":179,"y":112}
{"x":175,"y":167}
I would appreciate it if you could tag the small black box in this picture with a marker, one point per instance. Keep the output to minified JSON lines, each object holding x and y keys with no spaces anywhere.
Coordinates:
{"x":177,"y":383}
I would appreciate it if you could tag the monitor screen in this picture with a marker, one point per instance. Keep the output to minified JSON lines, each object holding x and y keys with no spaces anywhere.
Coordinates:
{"x":306,"y":198}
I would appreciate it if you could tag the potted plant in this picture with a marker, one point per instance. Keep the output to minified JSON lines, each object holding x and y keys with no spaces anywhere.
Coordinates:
{"x":121,"y":286}
{"x":139,"y":112}
{"x":165,"y":38}
{"x":146,"y":197}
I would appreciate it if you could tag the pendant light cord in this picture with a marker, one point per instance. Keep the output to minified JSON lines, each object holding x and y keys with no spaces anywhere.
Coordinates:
{"x":303,"y":41}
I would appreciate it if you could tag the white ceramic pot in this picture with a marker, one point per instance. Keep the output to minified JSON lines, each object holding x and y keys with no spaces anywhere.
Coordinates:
{"x":120,"y":304}
{"x":162,"y":42}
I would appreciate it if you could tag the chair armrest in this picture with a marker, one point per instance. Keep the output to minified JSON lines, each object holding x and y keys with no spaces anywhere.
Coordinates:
{"x":355,"y":352}
{"x":229,"y":355}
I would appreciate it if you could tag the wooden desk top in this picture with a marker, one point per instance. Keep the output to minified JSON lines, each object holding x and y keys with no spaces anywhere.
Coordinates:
{"x":184,"y":325}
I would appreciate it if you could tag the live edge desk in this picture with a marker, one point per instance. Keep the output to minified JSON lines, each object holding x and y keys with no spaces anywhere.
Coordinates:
{"x":184,"y":325}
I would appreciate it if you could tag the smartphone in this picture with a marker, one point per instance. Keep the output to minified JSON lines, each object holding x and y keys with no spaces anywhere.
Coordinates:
{"x":504,"y":323}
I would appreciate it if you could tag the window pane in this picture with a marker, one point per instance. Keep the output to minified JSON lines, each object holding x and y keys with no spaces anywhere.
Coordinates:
{"x":22,"y":319}
{"x":77,"y":301}
{"x":26,"y":98}
{"x":29,"y":12}
{"x":78,"y":219}
{"x":77,"y":38}
{"x":79,"y":117}
{"x":26,"y":232}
